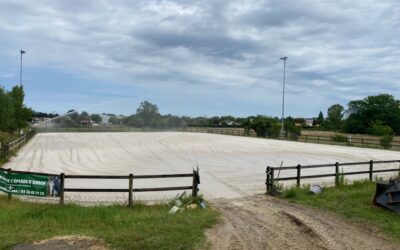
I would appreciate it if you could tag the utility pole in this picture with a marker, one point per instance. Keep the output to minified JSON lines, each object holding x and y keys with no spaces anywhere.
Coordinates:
{"x":20,"y":71}
{"x":283,"y":93}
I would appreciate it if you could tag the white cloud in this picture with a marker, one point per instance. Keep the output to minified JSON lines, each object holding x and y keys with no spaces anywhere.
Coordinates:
{"x":334,"y":47}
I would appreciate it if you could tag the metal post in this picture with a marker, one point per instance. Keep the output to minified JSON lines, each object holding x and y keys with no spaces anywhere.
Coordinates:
{"x":130,"y":196}
{"x":283,"y":92}
{"x":371,"y":169}
{"x":9,"y":182}
{"x":20,"y":71}
{"x":62,"y":178}
{"x":298,"y":175}
{"x":337,"y":174}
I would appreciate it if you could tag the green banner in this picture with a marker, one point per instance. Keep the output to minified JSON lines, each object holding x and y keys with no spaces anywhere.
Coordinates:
{"x":24,"y":184}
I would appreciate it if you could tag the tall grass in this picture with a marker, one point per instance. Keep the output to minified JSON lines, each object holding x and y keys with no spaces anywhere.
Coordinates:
{"x":353,"y":201}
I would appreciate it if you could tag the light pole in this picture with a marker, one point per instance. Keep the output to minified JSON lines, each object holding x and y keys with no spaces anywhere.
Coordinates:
{"x":283,"y":92}
{"x":20,"y":71}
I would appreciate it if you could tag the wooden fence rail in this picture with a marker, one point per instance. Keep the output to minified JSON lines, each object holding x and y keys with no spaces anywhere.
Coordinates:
{"x":347,"y":140}
{"x":9,"y":148}
{"x":271,"y":179}
{"x":354,"y":140}
{"x":194,"y":187}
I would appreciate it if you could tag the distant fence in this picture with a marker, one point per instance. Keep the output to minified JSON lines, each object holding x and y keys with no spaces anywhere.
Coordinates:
{"x":349,"y":140}
{"x":339,"y":139}
{"x":130,"y":190}
{"x":271,"y":171}
{"x":222,"y":131}
{"x":11,"y":147}
{"x":101,"y":129}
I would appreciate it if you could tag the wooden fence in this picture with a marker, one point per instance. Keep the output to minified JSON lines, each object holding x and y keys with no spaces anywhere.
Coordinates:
{"x":11,"y":147}
{"x":349,"y":140}
{"x":222,"y":131}
{"x":271,"y":179}
{"x":130,"y":190}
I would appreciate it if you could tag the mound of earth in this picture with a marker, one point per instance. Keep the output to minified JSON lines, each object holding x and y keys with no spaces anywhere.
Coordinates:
{"x":68,"y":242}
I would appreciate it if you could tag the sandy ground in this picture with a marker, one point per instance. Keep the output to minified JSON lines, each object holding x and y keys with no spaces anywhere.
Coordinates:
{"x":263,"y":222}
{"x":230,"y":166}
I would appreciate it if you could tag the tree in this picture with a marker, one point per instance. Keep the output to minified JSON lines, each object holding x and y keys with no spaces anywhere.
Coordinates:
{"x":377,"y":128}
{"x":74,"y":115}
{"x":6,"y":111}
{"x":264,"y":126}
{"x":291,"y":130}
{"x":320,"y":118}
{"x":84,"y":116}
{"x":335,"y":116}
{"x":68,"y":122}
{"x":17,"y":95}
{"x":114,"y":120}
{"x":172,"y":121}
{"x":147,"y":112}
{"x":96,"y":118}
{"x":382,"y":108}
{"x":134,"y":121}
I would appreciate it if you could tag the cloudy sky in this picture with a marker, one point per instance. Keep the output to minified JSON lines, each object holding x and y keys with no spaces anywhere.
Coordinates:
{"x":205,"y":57}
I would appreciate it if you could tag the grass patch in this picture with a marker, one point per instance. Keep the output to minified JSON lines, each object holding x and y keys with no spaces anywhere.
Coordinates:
{"x":352,"y":201}
{"x":141,"y":227}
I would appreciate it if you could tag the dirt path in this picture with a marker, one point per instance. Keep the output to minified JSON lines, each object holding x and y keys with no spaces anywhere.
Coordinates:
{"x":260,"y":222}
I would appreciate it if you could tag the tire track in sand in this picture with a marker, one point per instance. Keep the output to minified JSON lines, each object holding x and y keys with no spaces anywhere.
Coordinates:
{"x":260,"y":222}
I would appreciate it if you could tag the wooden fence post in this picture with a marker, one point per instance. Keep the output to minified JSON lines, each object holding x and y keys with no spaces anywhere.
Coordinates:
{"x":371,"y":169}
{"x":298,"y":175}
{"x":62,"y":183}
{"x":195,"y":182}
{"x":130,"y":196}
{"x":272,"y":180}
{"x":318,"y":138}
{"x":7,"y":149}
{"x":268,"y":180}
{"x":9,"y":171}
{"x":337,"y":174}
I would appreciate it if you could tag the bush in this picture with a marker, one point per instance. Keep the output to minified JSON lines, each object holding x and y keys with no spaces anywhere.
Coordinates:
{"x":377,"y":128}
{"x":264,"y":126}
{"x":291,"y":130}
{"x":339,"y":138}
{"x":386,"y":141}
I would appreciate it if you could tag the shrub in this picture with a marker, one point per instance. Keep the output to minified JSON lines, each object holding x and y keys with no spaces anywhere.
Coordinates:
{"x":339,"y":138}
{"x":265,"y":126}
{"x":386,"y":141}
{"x":290,"y":193}
{"x":377,"y":128}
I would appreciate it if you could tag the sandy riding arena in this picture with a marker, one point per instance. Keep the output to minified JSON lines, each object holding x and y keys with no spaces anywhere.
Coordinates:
{"x":230,"y":166}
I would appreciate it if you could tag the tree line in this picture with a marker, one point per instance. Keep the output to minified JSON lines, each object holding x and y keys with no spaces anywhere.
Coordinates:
{"x":14,"y":115}
{"x":377,"y":115}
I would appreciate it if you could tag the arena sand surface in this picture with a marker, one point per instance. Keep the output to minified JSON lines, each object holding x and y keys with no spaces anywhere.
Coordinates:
{"x":230,"y":166}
